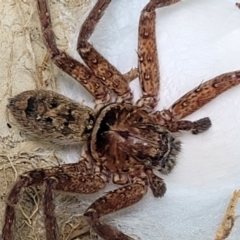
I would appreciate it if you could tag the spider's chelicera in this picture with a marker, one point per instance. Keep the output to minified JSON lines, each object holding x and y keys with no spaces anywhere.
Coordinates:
{"x":126,"y":142}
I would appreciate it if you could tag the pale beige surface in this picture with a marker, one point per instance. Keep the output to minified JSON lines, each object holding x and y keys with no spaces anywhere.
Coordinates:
{"x":24,"y":66}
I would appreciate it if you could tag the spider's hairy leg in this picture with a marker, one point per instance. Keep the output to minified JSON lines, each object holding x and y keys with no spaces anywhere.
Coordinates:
{"x":67,"y":182}
{"x":156,"y":184}
{"x":107,"y":73}
{"x":147,"y":54}
{"x":74,"y":178}
{"x":204,"y":93}
{"x":13,"y":198}
{"x":74,"y":68}
{"x":195,"y":99}
{"x":111,"y":202}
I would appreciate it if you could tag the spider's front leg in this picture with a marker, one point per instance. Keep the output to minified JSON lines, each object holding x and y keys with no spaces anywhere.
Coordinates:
{"x":149,"y":78}
{"x":101,"y":75}
{"x":107,"y":73}
{"x":73,"y":178}
{"x":193,"y":100}
{"x":74,"y":68}
{"x":147,"y":54}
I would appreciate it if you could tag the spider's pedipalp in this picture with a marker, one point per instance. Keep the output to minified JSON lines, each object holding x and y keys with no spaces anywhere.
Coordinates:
{"x":165,"y":119}
{"x":156,"y":184}
{"x":192,"y":101}
{"x":201,"y":125}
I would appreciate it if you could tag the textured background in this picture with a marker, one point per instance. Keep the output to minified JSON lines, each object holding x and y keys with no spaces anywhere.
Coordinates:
{"x":197,"y":40}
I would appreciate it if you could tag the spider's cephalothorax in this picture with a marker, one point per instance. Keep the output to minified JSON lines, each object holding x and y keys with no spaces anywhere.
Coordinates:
{"x":125,"y":141}
{"x":126,"y":137}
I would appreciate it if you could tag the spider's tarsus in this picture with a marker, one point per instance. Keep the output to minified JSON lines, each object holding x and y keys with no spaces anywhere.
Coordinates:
{"x":201,"y":125}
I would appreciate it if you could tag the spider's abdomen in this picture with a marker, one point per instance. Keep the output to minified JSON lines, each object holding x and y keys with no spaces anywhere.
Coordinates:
{"x":52,"y":116}
{"x":125,"y":136}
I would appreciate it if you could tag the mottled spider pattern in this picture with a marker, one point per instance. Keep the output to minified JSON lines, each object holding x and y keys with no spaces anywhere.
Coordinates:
{"x":126,"y":141}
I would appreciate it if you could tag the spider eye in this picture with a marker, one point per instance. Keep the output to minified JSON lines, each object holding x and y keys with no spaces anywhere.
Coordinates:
{"x":49,"y":120}
{"x":53,"y":105}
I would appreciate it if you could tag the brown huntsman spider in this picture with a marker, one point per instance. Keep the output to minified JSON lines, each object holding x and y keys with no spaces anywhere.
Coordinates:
{"x":125,"y":141}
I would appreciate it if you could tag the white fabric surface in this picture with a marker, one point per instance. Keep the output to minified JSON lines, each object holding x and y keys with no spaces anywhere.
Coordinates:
{"x":197,"y":40}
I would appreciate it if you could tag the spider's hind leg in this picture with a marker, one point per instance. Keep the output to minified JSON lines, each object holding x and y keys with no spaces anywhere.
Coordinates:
{"x":74,"y":178}
{"x":10,"y":214}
